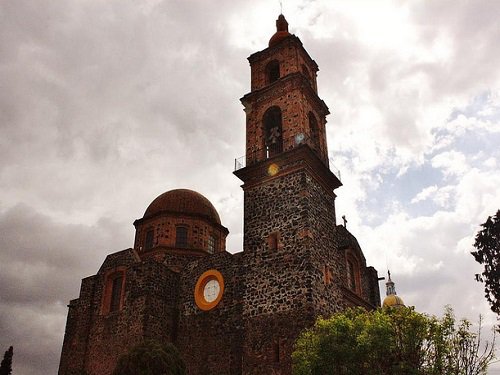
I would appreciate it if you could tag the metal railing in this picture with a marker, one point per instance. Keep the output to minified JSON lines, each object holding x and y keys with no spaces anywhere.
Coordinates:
{"x":288,"y":144}
{"x":240,"y":162}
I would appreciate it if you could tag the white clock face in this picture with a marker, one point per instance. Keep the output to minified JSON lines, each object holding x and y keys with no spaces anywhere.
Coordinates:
{"x":211,"y":290}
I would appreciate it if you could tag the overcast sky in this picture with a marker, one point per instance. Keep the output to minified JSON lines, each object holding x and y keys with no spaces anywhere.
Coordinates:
{"x":104,"y":105}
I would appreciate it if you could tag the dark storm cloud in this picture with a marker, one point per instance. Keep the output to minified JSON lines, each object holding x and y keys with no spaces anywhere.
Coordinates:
{"x":41,"y":265}
{"x":42,"y":255}
{"x":94,"y":87}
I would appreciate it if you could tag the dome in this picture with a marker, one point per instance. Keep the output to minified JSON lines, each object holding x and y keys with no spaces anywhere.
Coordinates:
{"x":393,"y":300}
{"x":183,"y":201}
{"x":282,"y":31}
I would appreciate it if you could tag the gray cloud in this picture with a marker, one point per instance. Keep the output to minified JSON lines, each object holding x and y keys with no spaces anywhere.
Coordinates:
{"x":42,"y":263}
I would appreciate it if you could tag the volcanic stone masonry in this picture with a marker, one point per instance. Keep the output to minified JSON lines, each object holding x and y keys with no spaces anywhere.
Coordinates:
{"x":234,"y":314}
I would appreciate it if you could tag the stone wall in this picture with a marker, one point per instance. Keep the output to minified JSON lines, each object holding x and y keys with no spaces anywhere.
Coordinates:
{"x":211,"y":341}
{"x":95,"y":338}
{"x":285,"y":287}
{"x":368,"y":275}
{"x":78,"y":325}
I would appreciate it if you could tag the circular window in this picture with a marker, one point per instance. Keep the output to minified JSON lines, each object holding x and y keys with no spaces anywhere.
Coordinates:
{"x":208,"y":290}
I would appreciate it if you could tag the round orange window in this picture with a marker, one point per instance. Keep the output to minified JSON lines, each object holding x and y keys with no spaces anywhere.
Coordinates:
{"x":209,"y":289}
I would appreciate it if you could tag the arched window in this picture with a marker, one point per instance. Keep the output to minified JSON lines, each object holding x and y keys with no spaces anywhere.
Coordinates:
{"x":113,"y":291}
{"x":314,"y":131}
{"x":116,"y":292}
{"x":272,"y":71}
{"x":353,"y":276}
{"x":273,"y":132}
{"x":306,"y":73}
{"x":181,"y":236}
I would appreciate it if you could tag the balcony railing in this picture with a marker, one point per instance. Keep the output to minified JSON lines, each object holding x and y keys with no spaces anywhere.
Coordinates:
{"x":269,"y":151}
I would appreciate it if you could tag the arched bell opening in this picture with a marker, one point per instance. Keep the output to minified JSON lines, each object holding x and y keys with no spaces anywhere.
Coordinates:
{"x":273,"y":133}
{"x":314,"y":133}
{"x":272,"y":71}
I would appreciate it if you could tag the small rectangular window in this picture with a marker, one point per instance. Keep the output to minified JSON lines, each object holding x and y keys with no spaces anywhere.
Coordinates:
{"x":116,"y":293}
{"x":273,"y":241}
{"x":149,"y":240}
{"x":181,"y":237}
{"x":327,"y":275}
{"x":211,"y":244}
{"x":276,"y":351}
{"x":351,"y":275}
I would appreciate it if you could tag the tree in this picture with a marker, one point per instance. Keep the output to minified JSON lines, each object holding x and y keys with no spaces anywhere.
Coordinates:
{"x":6,"y":365}
{"x":151,"y":358}
{"x":488,"y":253}
{"x":396,"y":341}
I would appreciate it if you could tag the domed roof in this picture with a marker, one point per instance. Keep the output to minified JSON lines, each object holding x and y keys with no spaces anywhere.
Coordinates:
{"x":183,"y":201}
{"x":393,"y":300}
{"x":282,"y":31}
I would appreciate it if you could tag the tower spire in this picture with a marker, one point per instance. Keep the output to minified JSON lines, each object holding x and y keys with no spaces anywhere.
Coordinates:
{"x":390,"y":286}
{"x":281,"y":23}
{"x":281,"y":31}
{"x":391,"y":300}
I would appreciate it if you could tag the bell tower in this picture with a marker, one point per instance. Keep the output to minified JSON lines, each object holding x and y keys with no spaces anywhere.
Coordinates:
{"x":285,"y":134}
{"x":289,"y":242}
{"x":283,"y":108}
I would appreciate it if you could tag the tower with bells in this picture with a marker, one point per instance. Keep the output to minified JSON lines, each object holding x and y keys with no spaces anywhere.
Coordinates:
{"x":234,"y":313}
{"x":299,"y":263}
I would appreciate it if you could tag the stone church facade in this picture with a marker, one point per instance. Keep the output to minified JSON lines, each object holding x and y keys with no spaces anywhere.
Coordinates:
{"x":234,"y":314}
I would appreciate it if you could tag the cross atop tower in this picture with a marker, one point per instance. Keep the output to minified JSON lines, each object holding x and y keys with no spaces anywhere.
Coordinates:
{"x":344,"y":220}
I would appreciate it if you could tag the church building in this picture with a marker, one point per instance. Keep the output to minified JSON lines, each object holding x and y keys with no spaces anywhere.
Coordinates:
{"x":234,"y":313}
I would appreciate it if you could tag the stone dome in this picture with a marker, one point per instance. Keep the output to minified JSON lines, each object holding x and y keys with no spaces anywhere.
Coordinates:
{"x":281,"y":31}
{"x":183,"y":201}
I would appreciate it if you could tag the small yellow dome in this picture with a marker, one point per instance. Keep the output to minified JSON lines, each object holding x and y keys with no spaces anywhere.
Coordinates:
{"x":393,"y":300}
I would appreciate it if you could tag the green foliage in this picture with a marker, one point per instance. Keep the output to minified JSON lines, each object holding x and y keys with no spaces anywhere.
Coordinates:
{"x":488,"y":253}
{"x":395,"y":341}
{"x":151,"y":358}
{"x":6,"y":365}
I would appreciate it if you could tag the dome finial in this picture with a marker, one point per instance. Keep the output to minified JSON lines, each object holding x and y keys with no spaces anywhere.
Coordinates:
{"x":281,"y":31}
{"x":281,"y":24}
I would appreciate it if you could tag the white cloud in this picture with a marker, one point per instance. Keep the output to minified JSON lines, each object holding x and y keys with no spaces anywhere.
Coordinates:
{"x":425,"y":194}
{"x":451,"y":163}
